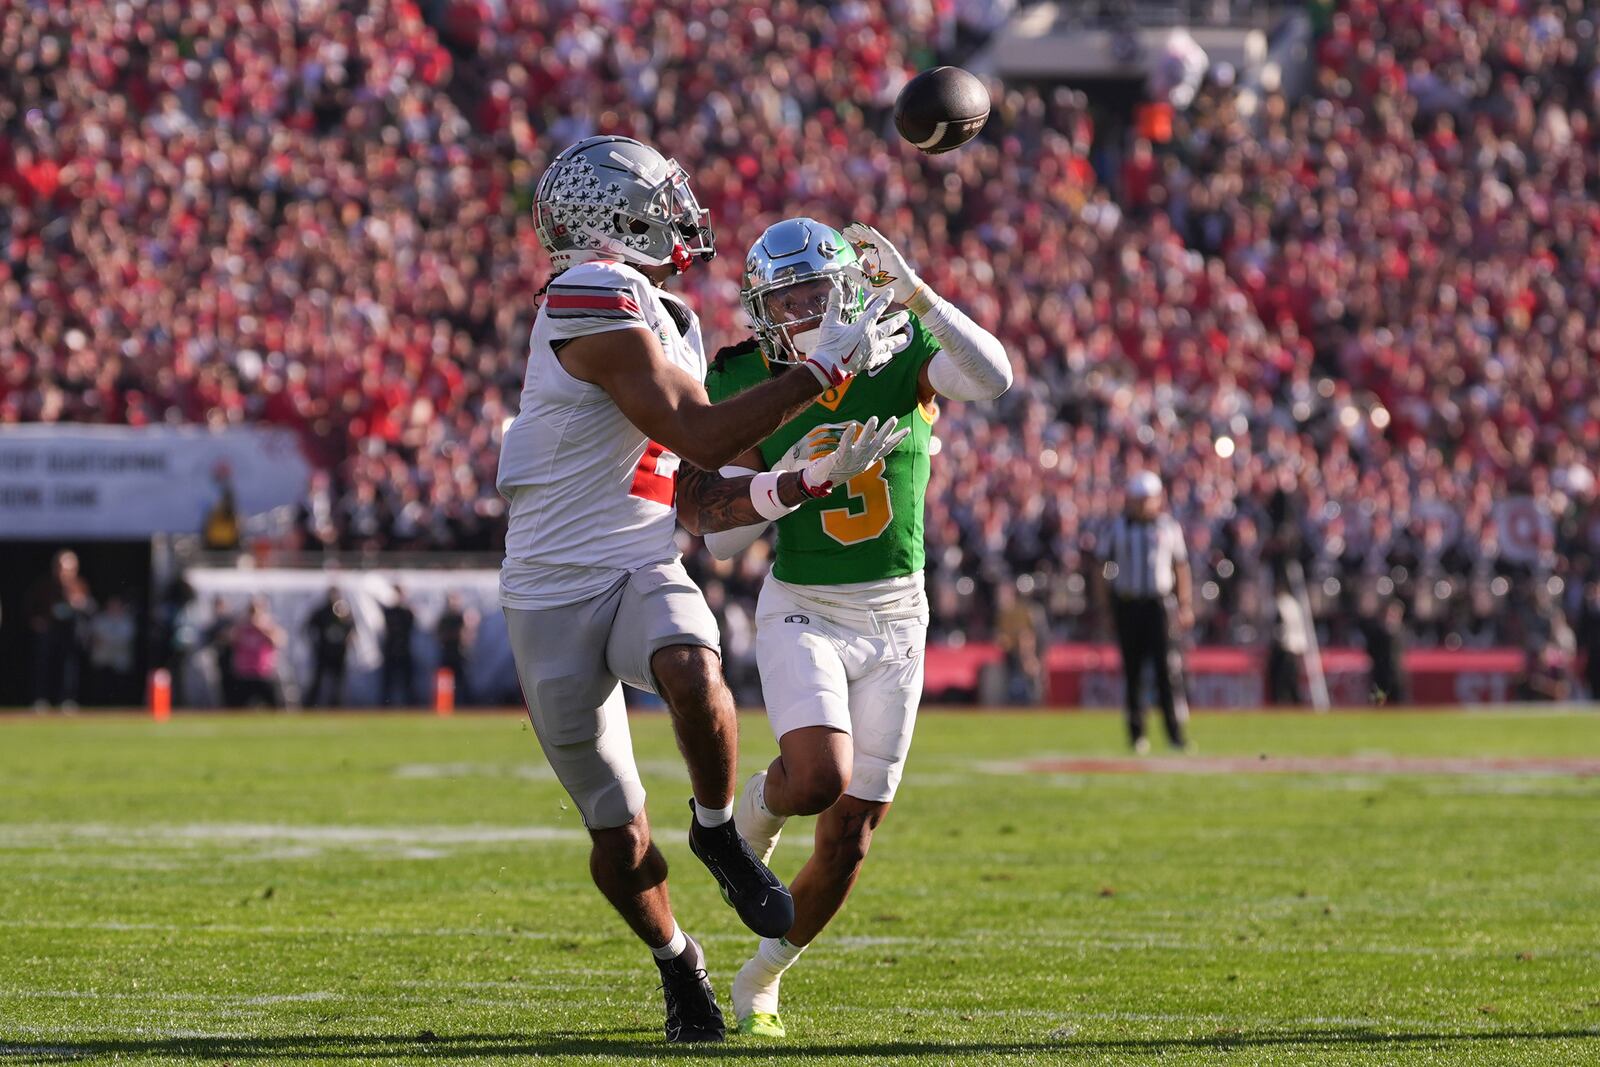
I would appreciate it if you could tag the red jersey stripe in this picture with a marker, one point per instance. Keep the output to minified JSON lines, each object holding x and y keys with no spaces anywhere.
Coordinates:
{"x":620,"y":302}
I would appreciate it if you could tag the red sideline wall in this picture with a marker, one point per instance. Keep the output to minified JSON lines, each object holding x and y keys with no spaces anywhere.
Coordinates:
{"x":1082,"y":675}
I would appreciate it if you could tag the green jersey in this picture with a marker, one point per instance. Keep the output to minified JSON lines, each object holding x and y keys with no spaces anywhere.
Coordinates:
{"x":870,"y":528}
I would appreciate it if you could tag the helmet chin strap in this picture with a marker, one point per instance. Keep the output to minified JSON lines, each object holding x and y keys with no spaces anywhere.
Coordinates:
{"x":681,"y":257}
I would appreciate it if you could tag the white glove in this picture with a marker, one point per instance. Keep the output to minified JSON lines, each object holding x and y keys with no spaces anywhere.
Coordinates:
{"x":881,"y":265}
{"x":890,"y":337}
{"x":814,"y":445}
{"x":859,"y":447}
{"x":845,"y":348}
{"x":972,"y":363}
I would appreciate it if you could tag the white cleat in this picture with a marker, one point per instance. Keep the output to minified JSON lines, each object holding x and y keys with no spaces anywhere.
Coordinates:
{"x":756,"y":824}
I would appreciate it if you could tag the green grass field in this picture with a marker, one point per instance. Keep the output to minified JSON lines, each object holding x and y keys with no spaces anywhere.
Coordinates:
{"x":396,"y":890}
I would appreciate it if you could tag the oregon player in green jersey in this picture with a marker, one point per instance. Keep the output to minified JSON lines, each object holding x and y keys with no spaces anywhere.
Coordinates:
{"x":842,"y":618}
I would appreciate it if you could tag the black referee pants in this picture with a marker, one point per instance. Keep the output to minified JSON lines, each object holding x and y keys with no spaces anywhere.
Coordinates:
{"x":1145,"y":638}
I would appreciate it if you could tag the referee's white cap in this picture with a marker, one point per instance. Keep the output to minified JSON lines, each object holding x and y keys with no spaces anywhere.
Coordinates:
{"x":1144,"y":484}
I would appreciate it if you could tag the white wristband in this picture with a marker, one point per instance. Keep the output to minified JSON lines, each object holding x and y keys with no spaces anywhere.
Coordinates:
{"x":764,"y":496}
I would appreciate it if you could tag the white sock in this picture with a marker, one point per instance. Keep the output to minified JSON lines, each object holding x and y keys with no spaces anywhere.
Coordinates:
{"x":673,"y":948}
{"x":712,"y":816}
{"x":761,"y":802}
{"x":777,"y":955}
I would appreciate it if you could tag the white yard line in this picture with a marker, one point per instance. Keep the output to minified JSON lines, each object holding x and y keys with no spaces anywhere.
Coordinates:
{"x":269,"y":841}
{"x":535,"y":772}
{"x":165,"y":995}
{"x":974,"y":941}
{"x":114,"y":926}
{"x":205,"y":833}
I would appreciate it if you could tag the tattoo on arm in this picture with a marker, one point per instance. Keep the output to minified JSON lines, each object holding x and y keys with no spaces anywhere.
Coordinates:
{"x":708,"y":502}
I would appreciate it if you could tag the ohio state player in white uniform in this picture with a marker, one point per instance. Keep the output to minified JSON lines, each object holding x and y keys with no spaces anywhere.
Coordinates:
{"x":592,"y":587}
{"x":590,"y":495}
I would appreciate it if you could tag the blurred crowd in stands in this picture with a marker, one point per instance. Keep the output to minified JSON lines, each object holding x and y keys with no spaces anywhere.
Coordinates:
{"x":1356,"y":330}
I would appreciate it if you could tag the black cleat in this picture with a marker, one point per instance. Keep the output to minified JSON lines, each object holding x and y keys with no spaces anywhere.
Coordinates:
{"x":763,"y":902}
{"x":692,"y":1012}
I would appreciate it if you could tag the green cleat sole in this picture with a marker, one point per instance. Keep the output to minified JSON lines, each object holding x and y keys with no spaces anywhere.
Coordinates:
{"x":761,"y":1024}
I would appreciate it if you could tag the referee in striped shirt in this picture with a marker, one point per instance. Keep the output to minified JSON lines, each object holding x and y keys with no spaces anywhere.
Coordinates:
{"x":1148,"y":567}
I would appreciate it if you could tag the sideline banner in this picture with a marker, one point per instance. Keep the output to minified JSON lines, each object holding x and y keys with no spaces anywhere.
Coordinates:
{"x":122,"y":482}
{"x":1090,"y":676}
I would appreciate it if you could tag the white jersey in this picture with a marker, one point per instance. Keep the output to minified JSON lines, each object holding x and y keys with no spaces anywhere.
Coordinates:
{"x":591,"y":497}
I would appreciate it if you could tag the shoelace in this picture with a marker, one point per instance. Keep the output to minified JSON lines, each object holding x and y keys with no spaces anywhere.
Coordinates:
{"x":748,"y":856}
{"x":674,"y":1007}
{"x":740,"y":849}
{"x":698,"y":974}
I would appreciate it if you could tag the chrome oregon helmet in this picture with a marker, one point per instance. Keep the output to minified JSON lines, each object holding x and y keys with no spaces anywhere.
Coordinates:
{"x":613,"y":197}
{"x":787,"y":254}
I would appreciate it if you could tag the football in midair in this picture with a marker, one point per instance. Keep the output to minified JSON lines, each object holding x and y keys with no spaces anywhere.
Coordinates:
{"x":941,"y":109}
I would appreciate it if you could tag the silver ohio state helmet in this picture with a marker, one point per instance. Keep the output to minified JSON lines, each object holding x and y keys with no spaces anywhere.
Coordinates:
{"x":789,"y":253}
{"x":613,"y":197}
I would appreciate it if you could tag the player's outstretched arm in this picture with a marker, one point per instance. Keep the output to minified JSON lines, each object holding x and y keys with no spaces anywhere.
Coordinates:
{"x":712,"y":503}
{"x":971,"y":363}
{"x":672,"y":408}
{"x":728,"y":543}
{"x":716,"y":506}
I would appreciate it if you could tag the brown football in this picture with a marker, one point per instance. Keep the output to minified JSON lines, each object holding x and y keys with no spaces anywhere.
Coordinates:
{"x":941,"y":109}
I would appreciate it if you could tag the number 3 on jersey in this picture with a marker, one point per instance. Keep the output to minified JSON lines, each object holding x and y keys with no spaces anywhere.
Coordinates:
{"x":869,"y":512}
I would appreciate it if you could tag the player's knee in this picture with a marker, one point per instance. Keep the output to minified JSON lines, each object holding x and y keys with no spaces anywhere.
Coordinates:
{"x":624,"y":849}
{"x":814,"y":788}
{"x":687,"y":675}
